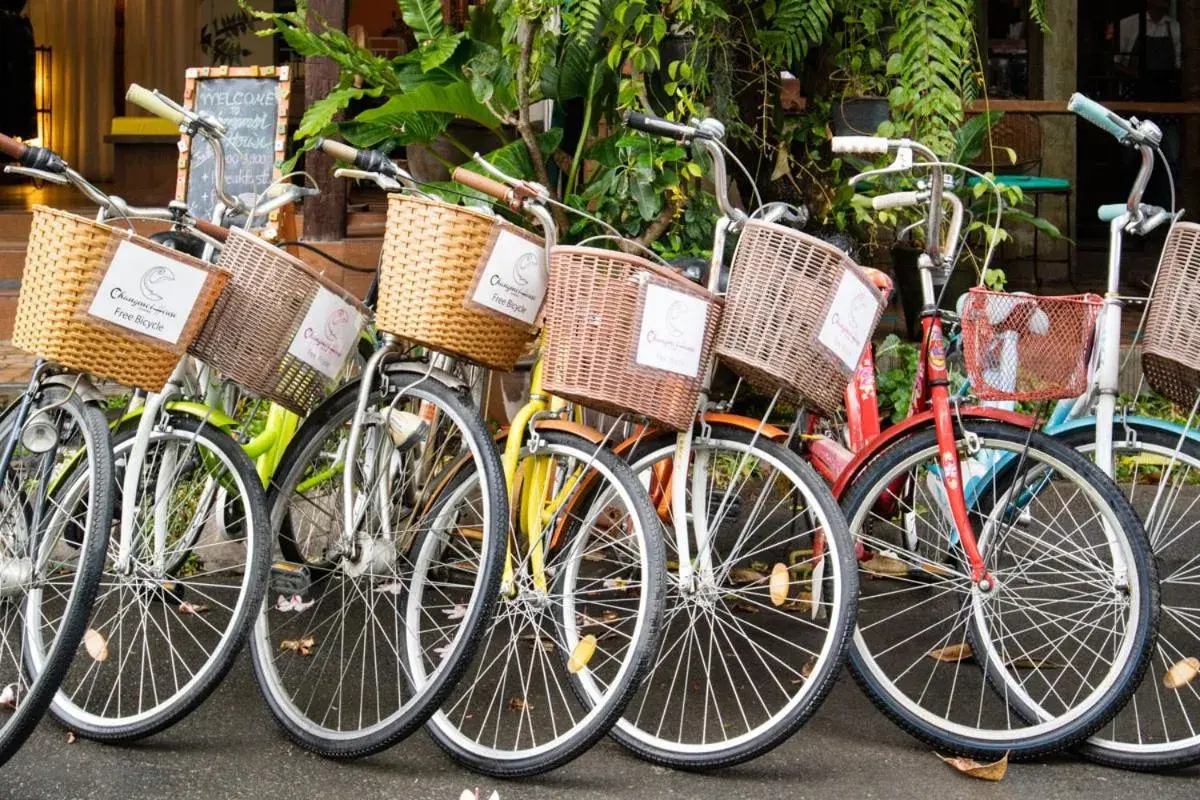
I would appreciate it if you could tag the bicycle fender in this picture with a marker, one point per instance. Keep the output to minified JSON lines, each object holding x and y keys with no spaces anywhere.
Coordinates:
{"x":188,"y":408}
{"x":1144,"y":422}
{"x":81,"y":384}
{"x":914,"y":423}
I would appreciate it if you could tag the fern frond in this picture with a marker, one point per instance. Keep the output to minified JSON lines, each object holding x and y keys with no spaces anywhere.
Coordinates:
{"x":933,"y":47}
{"x":794,"y":27}
{"x":1037,"y":13}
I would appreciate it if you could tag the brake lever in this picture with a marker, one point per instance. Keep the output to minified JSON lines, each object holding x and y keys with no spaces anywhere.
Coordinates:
{"x":37,"y":174}
{"x":902,"y":163}
{"x":382,"y":181}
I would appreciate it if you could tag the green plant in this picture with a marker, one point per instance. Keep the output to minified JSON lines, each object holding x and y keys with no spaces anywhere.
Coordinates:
{"x":221,"y":39}
{"x":896,"y":365}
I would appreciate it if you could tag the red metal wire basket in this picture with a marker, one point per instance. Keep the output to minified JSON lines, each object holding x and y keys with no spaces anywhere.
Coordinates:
{"x":1022,"y":347}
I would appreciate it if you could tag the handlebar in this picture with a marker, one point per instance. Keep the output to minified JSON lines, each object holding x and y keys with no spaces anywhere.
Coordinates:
{"x":1118,"y":127}
{"x":12,"y":148}
{"x":658,"y":126}
{"x":367,"y":159}
{"x":898,"y":200}
{"x":482,"y":183}
{"x":865,"y":145}
{"x":210,"y":229}
{"x":156,"y":104}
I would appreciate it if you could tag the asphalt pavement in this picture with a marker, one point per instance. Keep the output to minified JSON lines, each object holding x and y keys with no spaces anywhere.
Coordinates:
{"x":230,"y":748}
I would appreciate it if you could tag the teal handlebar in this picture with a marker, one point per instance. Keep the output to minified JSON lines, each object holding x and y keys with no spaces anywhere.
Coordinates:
{"x":1099,"y":116}
{"x":1110,"y":211}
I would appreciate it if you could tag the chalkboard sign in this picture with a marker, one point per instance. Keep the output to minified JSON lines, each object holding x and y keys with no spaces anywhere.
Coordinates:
{"x":252,"y":103}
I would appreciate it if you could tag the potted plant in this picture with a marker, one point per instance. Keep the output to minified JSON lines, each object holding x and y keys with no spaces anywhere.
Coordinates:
{"x":860,"y":75}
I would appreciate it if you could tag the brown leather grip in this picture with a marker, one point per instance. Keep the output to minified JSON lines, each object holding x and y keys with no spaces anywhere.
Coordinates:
{"x":482,"y":183}
{"x":211,"y":230}
{"x":12,"y":148}
{"x":339,"y":150}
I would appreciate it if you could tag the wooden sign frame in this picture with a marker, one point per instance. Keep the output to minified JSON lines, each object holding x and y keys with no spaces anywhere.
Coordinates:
{"x":283,"y":93}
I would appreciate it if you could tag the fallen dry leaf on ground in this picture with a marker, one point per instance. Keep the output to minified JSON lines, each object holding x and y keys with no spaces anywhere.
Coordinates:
{"x":70,"y":737}
{"x":9,"y":697}
{"x":885,"y":566}
{"x":582,"y":654}
{"x":192,"y":608}
{"x":744,"y":575}
{"x":96,"y":645}
{"x":518,"y":704}
{"x":955,"y":652}
{"x":975,"y":769}
{"x":1181,"y":673}
{"x":302,"y":646}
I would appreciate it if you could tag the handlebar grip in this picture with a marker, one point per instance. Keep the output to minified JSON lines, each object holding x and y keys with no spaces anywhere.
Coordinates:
{"x":339,"y":150}
{"x":146,"y":99}
{"x":876,"y":145}
{"x":895,"y":200}
{"x":367,"y":159}
{"x":211,"y":230}
{"x":1110,"y":211}
{"x":1099,"y":116}
{"x":658,"y":126}
{"x":12,"y":148}
{"x":482,"y":183}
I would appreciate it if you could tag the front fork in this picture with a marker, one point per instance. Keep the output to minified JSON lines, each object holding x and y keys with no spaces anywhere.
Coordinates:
{"x":938,"y":383}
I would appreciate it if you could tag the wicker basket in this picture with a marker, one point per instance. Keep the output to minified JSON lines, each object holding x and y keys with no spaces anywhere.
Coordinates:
{"x":1021,"y":347}
{"x":623,"y":334}
{"x":1171,"y":348}
{"x":781,"y":329}
{"x":432,"y":252}
{"x":67,"y":265}
{"x":280,"y":329}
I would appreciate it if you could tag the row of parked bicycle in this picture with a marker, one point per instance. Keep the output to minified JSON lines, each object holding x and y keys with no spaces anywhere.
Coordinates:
{"x":314,"y":473}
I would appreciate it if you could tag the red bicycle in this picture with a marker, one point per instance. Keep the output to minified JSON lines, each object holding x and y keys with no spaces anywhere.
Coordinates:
{"x":1008,"y":598}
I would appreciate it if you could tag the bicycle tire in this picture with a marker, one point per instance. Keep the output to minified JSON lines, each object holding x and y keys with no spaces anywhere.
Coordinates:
{"x":598,"y":718}
{"x":1155,"y":752}
{"x":90,"y":542}
{"x":1044,"y":738}
{"x":323,"y":424}
{"x":213,"y":449}
{"x":808,"y":683}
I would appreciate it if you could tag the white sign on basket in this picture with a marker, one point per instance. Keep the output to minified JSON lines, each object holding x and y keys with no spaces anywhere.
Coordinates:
{"x":850,"y":320}
{"x":145,"y":292}
{"x":513,"y":281}
{"x":327,"y":334}
{"x":672,"y":331}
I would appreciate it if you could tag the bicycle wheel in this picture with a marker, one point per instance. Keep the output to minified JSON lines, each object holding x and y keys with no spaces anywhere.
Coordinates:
{"x":52,"y":544}
{"x":334,"y":640}
{"x":1157,"y":728}
{"x":562,"y":654}
{"x":1043,"y":660}
{"x":765,"y":653}
{"x":171,"y":617}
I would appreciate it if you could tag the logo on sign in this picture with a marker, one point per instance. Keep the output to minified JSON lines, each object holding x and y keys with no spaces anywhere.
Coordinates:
{"x":141,"y":293}
{"x":513,"y":280}
{"x":155,"y":275}
{"x":523,"y":267}
{"x":327,"y":334}
{"x":672,"y":331}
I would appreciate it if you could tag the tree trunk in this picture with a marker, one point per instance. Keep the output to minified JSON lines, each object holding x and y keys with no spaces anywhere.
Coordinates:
{"x":324,"y":214}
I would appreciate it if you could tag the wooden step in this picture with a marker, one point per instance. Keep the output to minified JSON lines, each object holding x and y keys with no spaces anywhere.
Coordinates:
{"x":8,"y":312}
{"x":12,"y":261}
{"x":14,"y":226}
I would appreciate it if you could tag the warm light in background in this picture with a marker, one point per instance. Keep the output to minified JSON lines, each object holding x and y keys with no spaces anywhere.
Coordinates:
{"x":43,"y":95}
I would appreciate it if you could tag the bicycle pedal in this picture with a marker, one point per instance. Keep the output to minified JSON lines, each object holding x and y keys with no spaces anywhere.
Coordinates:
{"x":289,"y":578}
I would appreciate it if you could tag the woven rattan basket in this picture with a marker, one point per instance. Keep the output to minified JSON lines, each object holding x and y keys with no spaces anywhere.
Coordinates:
{"x":776,"y":326}
{"x":1022,"y":347}
{"x":1171,"y":349}
{"x":612,"y":321}
{"x":280,"y":329}
{"x":431,"y":253}
{"x":67,"y":265}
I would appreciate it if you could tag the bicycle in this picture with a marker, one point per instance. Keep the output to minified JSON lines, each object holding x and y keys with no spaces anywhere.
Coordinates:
{"x":942,"y":655}
{"x":762,"y":583}
{"x":577,"y":619}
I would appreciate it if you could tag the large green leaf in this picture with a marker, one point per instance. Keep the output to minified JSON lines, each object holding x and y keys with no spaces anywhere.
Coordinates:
{"x":425,"y":18}
{"x":455,"y":99}
{"x":513,"y":158}
{"x":439,"y":51}
{"x":320,"y":114}
{"x":400,"y":128}
{"x":971,"y":136}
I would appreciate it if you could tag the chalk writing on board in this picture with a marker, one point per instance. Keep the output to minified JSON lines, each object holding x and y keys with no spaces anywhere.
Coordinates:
{"x":249,"y":109}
